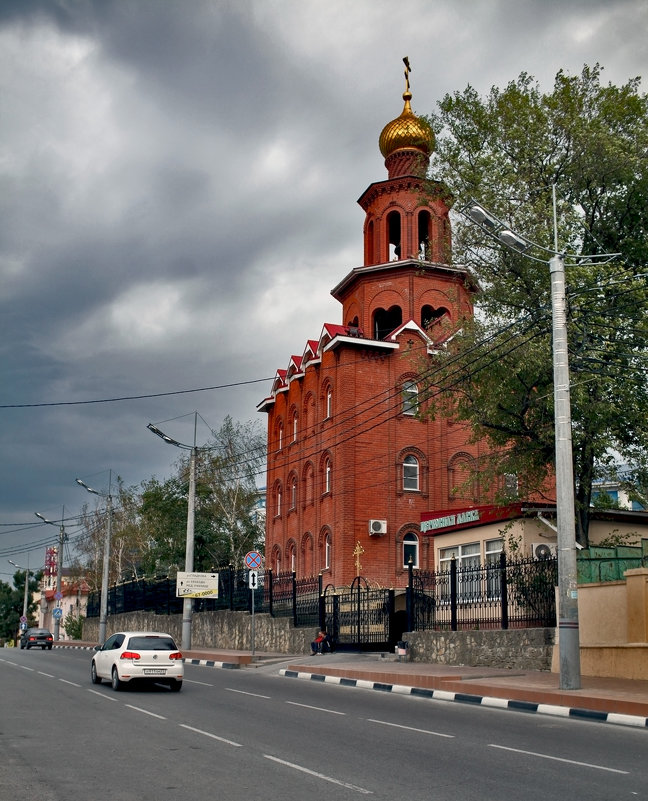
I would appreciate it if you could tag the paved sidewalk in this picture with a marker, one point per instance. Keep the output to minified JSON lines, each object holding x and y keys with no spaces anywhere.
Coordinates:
{"x":621,"y":701}
{"x":614,"y":700}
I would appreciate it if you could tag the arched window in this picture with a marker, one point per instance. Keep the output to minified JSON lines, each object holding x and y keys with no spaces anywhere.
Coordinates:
{"x":410,"y":550}
{"x":325,"y":544}
{"x":329,"y":401}
{"x":275,"y":561}
{"x":308,"y":419}
{"x":327,"y":475}
{"x":292,"y":557}
{"x":279,"y":435}
{"x":424,"y":228}
{"x":409,"y":395}
{"x":278,"y":501}
{"x":386,"y":321}
{"x":309,"y":483}
{"x":370,"y":243}
{"x":293,"y":492}
{"x":462,"y":477}
{"x":411,"y":473}
{"x":294,"y":426}
{"x":394,"y":235}
{"x":306,"y":559}
{"x":431,"y":316}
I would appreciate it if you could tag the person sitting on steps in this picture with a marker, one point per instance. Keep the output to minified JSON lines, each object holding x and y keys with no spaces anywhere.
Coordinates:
{"x":321,"y":644}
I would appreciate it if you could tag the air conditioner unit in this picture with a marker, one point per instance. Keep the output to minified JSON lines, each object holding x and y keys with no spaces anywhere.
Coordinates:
{"x":543,"y":550}
{"x":377,"y":528}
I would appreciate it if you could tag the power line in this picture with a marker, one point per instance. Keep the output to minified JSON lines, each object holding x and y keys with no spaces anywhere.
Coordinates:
{"x":132,"y":397}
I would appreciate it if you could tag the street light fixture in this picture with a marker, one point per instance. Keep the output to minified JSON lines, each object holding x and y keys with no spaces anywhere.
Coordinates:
{"x":24,"y":614}
{"x":568,"y":631}
{"x":103,"y":607}
{"x":187,"y":603}
{"x":59,"y":565}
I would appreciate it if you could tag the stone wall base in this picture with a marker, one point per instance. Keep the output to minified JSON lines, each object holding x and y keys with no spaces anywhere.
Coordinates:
{"x":224,"y":629}
{"x":519,"y":649}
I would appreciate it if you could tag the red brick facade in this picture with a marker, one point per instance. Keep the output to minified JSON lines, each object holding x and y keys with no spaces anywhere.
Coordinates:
{"x":345,"y":446}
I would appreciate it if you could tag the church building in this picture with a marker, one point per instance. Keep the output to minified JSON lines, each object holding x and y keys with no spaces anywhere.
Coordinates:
{"x":353,"y":462}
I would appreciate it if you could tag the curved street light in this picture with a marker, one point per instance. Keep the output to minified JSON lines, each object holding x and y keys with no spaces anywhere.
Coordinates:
{"x":568,"y":630}
{"x":187,"y":603}
{"x":59,"y":564}
{"x":103,"y":607}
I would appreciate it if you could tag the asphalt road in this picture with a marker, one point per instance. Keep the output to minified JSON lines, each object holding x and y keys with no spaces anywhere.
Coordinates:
{"x":250,"y":734}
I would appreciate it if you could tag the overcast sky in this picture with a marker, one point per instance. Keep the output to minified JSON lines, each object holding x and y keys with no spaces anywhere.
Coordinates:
{"x":178,"y":197}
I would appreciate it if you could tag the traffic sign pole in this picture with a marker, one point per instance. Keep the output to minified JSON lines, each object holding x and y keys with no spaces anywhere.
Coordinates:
{"x":253,"y":580}
{"x":253,"y":561}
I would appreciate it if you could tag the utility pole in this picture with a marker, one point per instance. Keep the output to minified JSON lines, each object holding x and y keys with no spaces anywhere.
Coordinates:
{"x":59,"y":567}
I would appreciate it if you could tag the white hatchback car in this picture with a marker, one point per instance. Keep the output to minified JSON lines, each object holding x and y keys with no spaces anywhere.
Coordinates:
{"x":142,"y":655}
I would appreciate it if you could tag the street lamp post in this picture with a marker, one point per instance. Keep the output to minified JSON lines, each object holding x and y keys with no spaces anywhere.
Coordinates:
{"x":187,"y":603}
{"x":25,"y":594}
{"x":568,"y":630}
{"x":59,"y":565}
{"x":103,"y":607}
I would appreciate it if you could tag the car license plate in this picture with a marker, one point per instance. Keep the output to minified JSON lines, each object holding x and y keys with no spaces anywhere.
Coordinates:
{"x":154,"y":671}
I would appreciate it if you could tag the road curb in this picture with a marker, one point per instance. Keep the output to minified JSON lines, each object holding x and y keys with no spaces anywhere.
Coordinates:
{"x":477,"y":700}
{"x":213,"y":664}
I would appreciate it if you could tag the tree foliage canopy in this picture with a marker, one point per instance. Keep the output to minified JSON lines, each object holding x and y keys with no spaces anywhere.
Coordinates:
{"x":149,"y":526}
{"x":507,"y":151}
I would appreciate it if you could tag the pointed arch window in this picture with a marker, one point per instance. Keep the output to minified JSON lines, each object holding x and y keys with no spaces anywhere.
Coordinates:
{"x":293,"y":492}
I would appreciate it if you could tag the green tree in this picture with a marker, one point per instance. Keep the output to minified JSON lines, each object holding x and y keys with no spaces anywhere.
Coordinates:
{"x":225,"y":525}
{"x":73,"y":626}
{"x":127,"y":544}
{"x":12,"y":601}
{"x":507,"y":150}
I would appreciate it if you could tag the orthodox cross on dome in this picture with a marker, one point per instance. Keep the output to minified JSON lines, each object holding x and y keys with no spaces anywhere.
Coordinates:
{"x":358,"y":551}
{"x":408,"y":69}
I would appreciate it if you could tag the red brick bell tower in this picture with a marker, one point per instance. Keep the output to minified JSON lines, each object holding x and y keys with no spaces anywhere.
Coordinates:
{"x":352,"y":462}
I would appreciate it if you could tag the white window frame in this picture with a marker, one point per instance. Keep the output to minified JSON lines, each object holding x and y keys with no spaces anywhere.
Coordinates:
{"x":467,"y":555}
{"x":410,"y":547}
{"x":327,"y":476}
{"x":410,"y":399}
{"x":411,"y":473}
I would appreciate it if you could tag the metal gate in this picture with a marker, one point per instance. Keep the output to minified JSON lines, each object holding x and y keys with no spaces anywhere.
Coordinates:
{"x":359,"y":618}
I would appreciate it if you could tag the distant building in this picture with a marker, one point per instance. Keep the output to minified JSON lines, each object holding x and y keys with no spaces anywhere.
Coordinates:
{"x":613,"y":491}
{"x":351,"y":466}
{"x":74,"y":594}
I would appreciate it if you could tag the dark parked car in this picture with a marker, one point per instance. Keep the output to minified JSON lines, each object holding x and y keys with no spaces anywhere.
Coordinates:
{"x":36,"y":638}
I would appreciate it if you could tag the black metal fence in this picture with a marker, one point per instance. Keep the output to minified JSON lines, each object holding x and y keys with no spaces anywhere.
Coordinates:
{"x":279,"y":594}
{"x":501,"y":594}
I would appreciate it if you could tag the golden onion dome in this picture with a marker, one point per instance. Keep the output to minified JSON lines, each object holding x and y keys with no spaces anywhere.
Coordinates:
{"x":407,"y":131}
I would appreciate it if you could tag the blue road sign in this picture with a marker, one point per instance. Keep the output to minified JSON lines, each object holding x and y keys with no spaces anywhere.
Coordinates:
{"x":253,"y":560}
